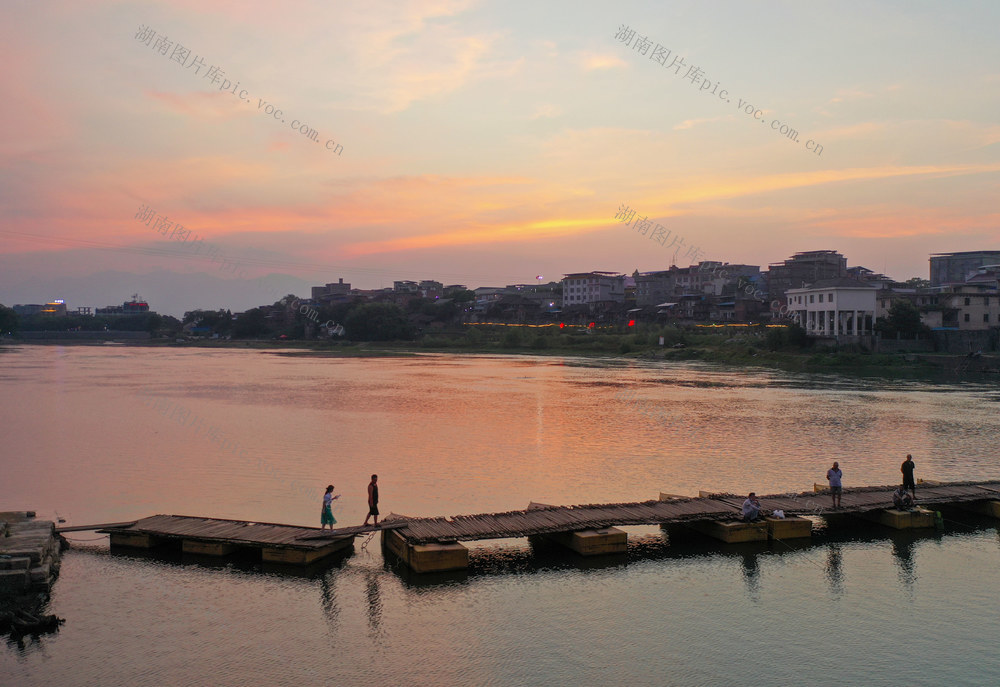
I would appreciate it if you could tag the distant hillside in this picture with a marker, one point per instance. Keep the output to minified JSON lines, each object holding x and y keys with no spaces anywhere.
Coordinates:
{"x":168,"y":293}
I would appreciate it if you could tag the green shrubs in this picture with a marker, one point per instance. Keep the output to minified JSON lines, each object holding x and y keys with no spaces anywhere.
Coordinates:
{"x":511,"y":338}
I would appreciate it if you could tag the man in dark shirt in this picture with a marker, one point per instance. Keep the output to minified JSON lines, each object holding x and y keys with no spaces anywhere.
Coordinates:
{"x":907,"y":469}
{"x":373,"y":500}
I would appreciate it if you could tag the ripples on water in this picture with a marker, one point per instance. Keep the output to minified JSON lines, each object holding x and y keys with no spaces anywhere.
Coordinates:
{"x":463,"y":435}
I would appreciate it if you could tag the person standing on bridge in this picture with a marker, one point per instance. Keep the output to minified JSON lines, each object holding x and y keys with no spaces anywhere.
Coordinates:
{"x":372,"y":500}
{"x":835,"y":474}
{"x":907,"y":469}
{"x":326,"y":516}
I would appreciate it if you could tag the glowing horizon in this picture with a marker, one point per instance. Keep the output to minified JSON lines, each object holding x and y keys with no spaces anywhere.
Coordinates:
{"x":477,"y":142}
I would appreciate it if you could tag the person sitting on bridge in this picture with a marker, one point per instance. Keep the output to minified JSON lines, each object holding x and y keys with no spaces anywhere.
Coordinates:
{"x":901,"y":498}
{"x":751,"y":508}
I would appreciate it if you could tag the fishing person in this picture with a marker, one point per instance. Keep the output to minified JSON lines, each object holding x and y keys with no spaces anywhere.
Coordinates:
{"x":834,"y":475}
{"x":751,"y":508}
{"x":373,"y":500}
{"x":901,"y":499}
{"x":326,"y":516}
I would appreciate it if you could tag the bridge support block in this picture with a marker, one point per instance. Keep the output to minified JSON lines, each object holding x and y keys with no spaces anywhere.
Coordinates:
{"x":789,"y":527}
{"x":207,"y":548}
{"x":732,"y":531}
{"x":276,"y":554}
{"x":421,"y":558}
{"x":991,"y":508}
{"x":135,"y":540}
{"x":901,"y":519}
{"x":592,"y":542}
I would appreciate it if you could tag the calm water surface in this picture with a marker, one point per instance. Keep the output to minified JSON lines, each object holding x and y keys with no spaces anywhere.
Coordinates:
{"x":97,"y":434}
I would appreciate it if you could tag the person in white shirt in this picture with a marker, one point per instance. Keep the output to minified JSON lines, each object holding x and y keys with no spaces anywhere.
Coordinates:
{"x":835,"y":474}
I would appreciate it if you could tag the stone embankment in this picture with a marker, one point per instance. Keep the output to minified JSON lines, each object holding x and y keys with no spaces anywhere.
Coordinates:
{"x":29,"y":563}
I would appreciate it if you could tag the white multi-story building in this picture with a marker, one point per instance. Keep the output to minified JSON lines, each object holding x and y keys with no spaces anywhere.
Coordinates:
{"x":834,"y":307}
{"x":585,"y":288}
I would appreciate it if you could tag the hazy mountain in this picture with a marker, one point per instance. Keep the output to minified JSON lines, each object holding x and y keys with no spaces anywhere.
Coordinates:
{"x":168,"y":293}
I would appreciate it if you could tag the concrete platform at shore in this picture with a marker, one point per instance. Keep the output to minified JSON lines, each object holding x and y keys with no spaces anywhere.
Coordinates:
{"x":29,"y":558}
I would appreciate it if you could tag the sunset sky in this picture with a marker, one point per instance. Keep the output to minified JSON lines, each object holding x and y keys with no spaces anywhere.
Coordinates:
{"x":485,"y":143}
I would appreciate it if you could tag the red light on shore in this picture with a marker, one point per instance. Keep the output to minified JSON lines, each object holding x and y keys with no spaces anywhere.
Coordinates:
{"x":591,"y":325}
{"x":562,"y":325}
{"x":631,"y":323}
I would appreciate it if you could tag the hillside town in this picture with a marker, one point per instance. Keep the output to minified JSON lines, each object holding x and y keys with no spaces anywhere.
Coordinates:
{"x":817,"y":290}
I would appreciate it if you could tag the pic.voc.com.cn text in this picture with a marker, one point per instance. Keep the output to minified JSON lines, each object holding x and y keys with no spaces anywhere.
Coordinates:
{"x":216,"y":75}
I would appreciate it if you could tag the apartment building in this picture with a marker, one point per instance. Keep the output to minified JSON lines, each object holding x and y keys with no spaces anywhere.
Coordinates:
{"x":332,"y":293}
{"x":957,"y":268}
{"x":803,"y":269}
{"x":587,"y":288}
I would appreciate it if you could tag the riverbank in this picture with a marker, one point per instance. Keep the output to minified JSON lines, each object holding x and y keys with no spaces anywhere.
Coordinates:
{"x":708,"y":348}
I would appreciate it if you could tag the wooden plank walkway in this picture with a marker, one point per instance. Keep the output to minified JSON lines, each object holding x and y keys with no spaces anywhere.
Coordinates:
{"x":355,"y":530}
{"x":550,"y":519}
{"x":539,"y":519}
{"x":88,"y":528}
{"x":236,"y":532}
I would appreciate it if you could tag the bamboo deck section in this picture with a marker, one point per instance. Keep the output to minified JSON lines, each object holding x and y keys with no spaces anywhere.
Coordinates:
{"x":327,"y":535}
{"x":718,"y":507}
{"x":88,"y":528}
{"x":539,"y":519}
{"x":235,"y":532}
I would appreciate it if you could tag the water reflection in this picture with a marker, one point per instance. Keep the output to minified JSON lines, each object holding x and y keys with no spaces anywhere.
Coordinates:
{"x":834,"y":569}
{"x":751,"y":574}
{"x":328,"y":599}
{"x":902,"y":552}
{"x":374,"y":597}
{"x":418,"y":581}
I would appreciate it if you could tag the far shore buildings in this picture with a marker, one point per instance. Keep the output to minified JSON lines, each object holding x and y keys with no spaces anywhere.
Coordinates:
{"x":973,"y":304}
{"x":593,"y":289}
{"x":56,"y":307}
{"x":803,"y":269}
{"x":132,"y":307}
{"x":704,"y":279}
{"x":841,"y":308}
{"x":958,"y":268}
{"x":332,"y":293}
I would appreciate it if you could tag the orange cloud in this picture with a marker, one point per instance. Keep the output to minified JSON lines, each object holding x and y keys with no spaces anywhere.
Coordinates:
{"x":779,"y":182}
{"x":427,"y":201}
{"x":200,"y":104}
{"x":594,"y":61}
{"x":496,"y":234}
{"x":892,"y":222}
{"x":691,"y":123}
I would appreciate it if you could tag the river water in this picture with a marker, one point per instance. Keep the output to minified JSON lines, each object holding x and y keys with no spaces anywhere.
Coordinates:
{"x":111,"y":433}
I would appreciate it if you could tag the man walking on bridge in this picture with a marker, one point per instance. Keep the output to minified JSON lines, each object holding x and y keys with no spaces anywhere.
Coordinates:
{"x":372,"y":500}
